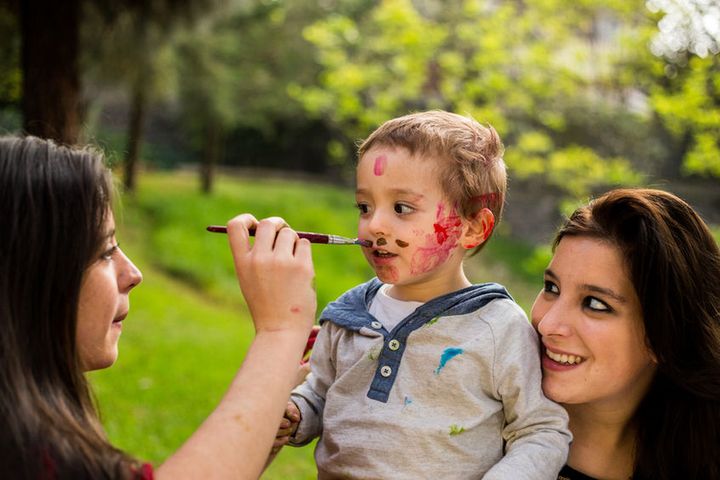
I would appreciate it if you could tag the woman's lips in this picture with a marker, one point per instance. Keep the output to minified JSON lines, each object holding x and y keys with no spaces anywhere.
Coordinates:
{"x":560,"y":361}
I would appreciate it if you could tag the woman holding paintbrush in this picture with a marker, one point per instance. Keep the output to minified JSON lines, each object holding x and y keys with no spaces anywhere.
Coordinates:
{"x":64,"y":287}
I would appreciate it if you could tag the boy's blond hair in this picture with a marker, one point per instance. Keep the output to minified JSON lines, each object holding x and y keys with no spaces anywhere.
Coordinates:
{"x":471,"y":168}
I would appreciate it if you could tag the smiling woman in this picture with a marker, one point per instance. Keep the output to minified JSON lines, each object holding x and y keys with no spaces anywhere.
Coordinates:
{"x":630,"y":324}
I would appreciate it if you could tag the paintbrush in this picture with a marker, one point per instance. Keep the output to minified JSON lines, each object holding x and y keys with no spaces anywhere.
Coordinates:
{"x":313,"y":237}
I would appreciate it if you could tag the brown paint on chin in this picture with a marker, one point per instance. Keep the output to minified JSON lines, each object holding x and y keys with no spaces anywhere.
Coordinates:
{"x":381,"y":242}
{"x":401,"y":244}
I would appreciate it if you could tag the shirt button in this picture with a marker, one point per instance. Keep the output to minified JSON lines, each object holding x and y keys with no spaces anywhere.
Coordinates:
{"x":393,"y":345}
{"x":386,"y":371}
{"x":376,"y":324}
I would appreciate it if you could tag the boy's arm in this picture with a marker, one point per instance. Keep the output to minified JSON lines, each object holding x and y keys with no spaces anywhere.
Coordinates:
{"x":310,"y":395}
{"x":536,"y":431}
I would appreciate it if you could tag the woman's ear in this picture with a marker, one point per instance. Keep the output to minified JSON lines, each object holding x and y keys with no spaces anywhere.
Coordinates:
{"x":478,"y":229}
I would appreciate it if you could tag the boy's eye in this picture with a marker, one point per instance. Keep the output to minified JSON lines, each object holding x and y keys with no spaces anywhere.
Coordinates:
{"x":597,"y":305}
{"x":363,"y":207}
{"x":550,"y":287}
{"x":402,"y":209}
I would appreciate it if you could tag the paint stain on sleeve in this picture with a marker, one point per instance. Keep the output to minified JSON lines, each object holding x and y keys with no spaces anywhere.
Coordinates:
{"x":448,"y":354}
{"x":456,"y":430}
{"x":432,"y":322}
{"x":374,"y":352}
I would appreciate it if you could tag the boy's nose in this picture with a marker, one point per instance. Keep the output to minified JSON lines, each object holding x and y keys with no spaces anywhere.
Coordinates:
{"x":378,"y":226}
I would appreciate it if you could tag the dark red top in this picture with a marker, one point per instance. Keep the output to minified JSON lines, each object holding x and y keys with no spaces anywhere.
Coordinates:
{"x":145,"y":472}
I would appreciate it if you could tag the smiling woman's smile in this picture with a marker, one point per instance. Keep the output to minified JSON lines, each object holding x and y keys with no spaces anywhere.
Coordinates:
{"x":590,"y":320}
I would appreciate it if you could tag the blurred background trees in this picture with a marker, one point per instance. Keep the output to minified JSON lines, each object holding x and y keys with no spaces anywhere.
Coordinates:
{"x":585,"y":94}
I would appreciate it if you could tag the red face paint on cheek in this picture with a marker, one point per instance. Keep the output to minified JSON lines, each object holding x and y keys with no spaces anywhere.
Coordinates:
{"x":439,"y":244}
{"x":379,"y":167}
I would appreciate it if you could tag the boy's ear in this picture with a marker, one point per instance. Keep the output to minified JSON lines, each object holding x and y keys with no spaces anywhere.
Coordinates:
{"x":479,"y":228}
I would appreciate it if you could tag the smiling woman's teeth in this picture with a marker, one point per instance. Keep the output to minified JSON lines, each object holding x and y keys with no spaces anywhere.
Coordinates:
{"x":563,"y":358}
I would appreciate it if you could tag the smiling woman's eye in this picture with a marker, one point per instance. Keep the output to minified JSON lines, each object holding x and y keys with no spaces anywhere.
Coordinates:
{"x":597,"y":305}
{"x":550,"y":287}
{"x":403,"y":209}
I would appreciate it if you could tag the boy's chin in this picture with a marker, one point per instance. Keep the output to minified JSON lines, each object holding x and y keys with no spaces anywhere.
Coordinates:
{"x":387,"y":274}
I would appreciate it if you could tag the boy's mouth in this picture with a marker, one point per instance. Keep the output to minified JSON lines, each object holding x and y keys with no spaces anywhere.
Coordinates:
{"x":380,"y":253}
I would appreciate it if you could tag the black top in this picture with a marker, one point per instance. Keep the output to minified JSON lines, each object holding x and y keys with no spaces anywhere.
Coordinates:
{"x":569,"y":473}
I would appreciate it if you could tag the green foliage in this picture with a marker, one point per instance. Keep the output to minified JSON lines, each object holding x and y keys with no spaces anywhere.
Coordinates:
{"x":716,"y":234}
{"x":404,"y":55}
{"x":690,"y":105}
{"x":372,"y":67}
{"x":10,"y":75}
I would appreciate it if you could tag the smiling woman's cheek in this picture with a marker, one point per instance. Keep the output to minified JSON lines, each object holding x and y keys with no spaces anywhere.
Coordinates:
{"x":439,"y":244}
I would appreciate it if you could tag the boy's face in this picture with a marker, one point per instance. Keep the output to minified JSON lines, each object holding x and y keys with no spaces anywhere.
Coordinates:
{"x":418,"y":236}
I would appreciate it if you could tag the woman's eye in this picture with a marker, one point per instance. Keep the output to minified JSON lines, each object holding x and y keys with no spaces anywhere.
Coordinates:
{"x":597,"y":305}
{"x":107,"y":254}
{"x":550,"y":287}
{"x":363,"y":207}
{"x":403,"y":209}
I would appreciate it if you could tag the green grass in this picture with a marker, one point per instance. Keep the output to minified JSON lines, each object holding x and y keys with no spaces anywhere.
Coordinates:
{"x":189,"y":328}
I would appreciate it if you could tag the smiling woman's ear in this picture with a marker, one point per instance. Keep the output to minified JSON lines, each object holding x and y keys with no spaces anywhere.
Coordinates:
{"x":478,"y":229}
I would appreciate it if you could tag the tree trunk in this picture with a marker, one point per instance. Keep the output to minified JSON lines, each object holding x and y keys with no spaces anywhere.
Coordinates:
{"x":49,"y":58}
{"x":211,"y":153}
{"x":134,"y":138}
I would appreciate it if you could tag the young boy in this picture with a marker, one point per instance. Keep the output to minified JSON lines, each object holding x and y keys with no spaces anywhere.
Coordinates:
{"x":418,"y":373}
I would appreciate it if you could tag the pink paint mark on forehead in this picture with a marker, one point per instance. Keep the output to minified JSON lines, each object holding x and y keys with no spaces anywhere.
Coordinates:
{"x":380,"y":164}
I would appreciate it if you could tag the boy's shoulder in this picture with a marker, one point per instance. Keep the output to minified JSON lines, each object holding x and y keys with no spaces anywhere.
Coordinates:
{"x":351,"y":308}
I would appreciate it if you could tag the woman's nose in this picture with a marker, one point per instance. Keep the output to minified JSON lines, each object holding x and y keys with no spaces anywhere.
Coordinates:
{"x":550,"y":319}
{"x":130,"y":275}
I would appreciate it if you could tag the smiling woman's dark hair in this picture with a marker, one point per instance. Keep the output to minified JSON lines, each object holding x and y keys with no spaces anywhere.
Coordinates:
{"x":674,"y":265}
{"x":54,"y":202}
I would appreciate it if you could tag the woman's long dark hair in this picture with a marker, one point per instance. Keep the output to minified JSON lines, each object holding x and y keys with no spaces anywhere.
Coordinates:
{"x":674,"y":263}
{"x":53,"y":207}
